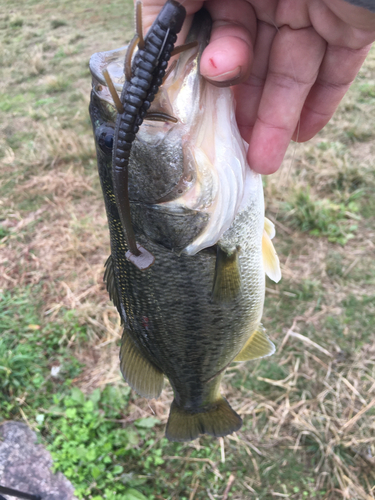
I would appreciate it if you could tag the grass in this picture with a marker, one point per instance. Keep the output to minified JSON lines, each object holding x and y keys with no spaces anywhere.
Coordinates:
{"x":28,"y":350}
{"x":308,"y":411}
{"x":321,"y":217}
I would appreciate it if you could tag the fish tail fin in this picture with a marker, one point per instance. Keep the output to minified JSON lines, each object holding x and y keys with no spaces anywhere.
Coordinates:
{"x":219,"y":419}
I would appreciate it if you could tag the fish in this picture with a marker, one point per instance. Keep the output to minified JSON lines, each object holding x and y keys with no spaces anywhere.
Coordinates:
{"x":198,"y":208}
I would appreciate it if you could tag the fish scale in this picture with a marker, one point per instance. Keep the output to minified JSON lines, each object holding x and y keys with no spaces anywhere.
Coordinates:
{"x":181,"y":323}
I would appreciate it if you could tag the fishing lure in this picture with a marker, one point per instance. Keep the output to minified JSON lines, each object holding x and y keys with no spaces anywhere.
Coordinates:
{"x":144,"y":76}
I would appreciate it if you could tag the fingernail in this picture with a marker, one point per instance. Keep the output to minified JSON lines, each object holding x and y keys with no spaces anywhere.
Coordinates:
{"x":226,"y":79}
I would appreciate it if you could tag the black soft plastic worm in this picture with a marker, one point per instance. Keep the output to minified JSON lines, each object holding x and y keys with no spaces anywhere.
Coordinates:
{"x":147,"y":72}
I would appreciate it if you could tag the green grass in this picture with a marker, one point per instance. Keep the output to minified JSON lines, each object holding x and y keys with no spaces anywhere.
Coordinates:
{"x":322,"y":217}
{"x":27,"y":349}
{"x":91,"y":448}
{"x":15,"y":103}
{"x":359,"y":318}
{"x":57,"y":23}
{"x":84,"y":435}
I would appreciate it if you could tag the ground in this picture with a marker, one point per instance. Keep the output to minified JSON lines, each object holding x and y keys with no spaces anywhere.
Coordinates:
{"x":308,"y":411}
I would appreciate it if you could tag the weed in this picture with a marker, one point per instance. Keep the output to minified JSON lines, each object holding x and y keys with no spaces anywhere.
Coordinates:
{"x":257,"y":379}
{"x":57,"y":23}
{"x":334,"y":264}
{"x":56,"y":84}
{"x":360,"y":314}
{"x":91,"y":448}
{"x":4,"y":231}
{"x":14,"y":102}
{"x":27,"y":349}
{"x":367,"y":90}
{"x":16,"y":23}
{"x":322,"y":217}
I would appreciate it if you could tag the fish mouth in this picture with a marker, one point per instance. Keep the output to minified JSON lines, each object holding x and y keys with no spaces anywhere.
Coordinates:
{"x":213,"y":173}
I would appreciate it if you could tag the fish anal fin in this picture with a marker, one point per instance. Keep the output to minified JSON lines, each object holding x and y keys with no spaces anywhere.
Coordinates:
{"x":142,"y":376}
{"x":111,"y":285}
{"x":258,"y":346}
{"x":218,"y":420}
{"x":227,"y":280}
{"x":271,"y":261}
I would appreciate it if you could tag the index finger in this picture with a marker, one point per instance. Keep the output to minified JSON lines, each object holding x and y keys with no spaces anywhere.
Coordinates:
{"x":228,"y":57}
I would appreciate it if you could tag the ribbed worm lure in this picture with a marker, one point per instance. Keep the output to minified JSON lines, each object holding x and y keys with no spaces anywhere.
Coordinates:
{"x":144,"y":75}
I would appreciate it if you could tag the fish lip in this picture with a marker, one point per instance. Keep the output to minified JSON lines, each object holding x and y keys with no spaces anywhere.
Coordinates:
{"x":101,"y":60}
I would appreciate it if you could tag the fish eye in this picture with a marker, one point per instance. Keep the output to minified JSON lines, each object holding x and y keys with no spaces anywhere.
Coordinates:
{"x":108,"y":141}
{"x":104,"y":136}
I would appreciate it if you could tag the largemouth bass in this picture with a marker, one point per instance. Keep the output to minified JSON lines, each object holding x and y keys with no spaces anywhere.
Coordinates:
{"x":199,"y":210}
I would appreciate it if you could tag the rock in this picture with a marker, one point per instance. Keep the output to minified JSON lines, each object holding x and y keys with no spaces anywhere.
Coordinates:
{"x":26,"y":466}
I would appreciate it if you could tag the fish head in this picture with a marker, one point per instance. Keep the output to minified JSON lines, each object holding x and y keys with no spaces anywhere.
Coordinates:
{"x":194,"y":163}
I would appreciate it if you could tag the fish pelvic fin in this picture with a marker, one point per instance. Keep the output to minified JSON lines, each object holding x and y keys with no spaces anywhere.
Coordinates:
{"x":227,"y":280}
{"x":142,"y":375}
{"x":218,"y":420}
{"x":111,"y":285}
{"x":258,"y":346}
{"x":271,"y":261}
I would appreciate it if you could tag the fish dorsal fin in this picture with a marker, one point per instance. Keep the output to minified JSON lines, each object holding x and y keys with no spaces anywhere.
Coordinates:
{"x":109,"y":279}
{"x":142,"y":375}
{"x":271,"y":261}
{"x":258,"y":346}
{"x":227,"y":280}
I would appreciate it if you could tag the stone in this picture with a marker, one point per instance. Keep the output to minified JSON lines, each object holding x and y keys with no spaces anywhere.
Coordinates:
{"x":26,"y":466}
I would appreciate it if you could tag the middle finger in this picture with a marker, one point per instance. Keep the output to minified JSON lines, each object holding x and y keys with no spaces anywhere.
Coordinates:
{"x":295,"y":58}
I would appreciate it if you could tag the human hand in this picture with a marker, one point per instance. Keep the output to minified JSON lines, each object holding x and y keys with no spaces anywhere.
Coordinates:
{"x":290,"y":61}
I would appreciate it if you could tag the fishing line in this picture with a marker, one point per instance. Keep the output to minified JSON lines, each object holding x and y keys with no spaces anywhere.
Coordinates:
{"x":293,"y":156}
{"x":151,"y":408}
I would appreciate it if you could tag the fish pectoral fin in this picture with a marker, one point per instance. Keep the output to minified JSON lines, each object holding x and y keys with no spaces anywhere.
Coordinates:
{"x":111,"y":285}
{"x":142,"y":375}
{"x":269,"y":227}
{"x":218,"y":419}
{"x":271,"y":261}
{"x":227,"y":280}
{"x":258,"y":346}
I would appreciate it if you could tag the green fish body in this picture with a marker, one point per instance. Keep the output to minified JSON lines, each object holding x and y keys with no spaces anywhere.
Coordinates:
{"x":199,"y":209}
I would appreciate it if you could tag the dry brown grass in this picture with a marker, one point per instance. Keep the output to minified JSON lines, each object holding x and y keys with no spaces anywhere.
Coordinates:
{"x":334,"y":419}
